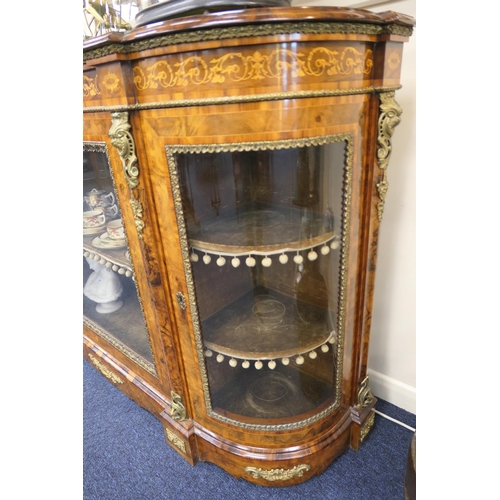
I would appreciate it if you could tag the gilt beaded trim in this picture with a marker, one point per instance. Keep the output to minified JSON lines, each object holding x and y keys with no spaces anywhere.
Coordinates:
{"x":212,"y":101}
{"x":252,"y":30}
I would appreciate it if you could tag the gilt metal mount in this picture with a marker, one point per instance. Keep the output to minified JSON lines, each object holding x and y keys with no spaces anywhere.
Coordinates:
{"x":389,"y":119}
{"x":178,"y":411}
{"x":122,"y":140}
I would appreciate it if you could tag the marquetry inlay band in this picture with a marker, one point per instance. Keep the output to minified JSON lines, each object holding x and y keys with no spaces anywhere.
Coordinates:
{"x":278,"y":474}
{"x":238,"y":67}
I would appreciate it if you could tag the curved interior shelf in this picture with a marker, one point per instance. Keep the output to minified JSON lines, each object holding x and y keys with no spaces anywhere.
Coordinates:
{"x":268,"y":327}
{"x":261,"y":230}
{"x":116,"y":259}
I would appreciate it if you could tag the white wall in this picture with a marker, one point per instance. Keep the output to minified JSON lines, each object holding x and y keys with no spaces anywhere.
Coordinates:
{"x":392,"y":360}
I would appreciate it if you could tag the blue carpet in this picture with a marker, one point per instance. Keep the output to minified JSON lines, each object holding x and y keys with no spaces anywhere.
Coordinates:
{"x":126,"y":457}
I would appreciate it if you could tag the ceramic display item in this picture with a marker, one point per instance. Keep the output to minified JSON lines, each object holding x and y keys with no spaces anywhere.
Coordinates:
{"x":93,"y":219}
{"x":115,"y":230}
{"x":104,"y":242}
{"x":169,"y":9}
{"x":104,"y":287}
{"x":99,"y":198}
{"x":110,"y":211}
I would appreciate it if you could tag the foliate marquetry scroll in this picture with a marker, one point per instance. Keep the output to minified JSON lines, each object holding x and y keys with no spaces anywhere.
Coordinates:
{"x":176,"y":441}
{"x":90,"y":87}
{"x":278,"y":474}
{"x":390,"y":116}
{"x":105,"y":370}
{"x":365,"y":396}
{"x":237,"y":67}
{"x":122,"y":140}
{"x":367,"y":426}
{"x":178,"y":411}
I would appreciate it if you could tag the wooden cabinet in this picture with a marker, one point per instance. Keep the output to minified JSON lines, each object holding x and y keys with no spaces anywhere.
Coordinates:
{"x":246,"y":153}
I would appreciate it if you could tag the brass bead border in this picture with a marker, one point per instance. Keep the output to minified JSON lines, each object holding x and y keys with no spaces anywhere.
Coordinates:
{"x":257,"y":30}
{"x":139,"y":360}
{"x":211,"y":101}
{"x":348,"y":138}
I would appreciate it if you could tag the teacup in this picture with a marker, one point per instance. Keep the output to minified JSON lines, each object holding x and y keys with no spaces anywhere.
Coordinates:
{"x":110,"y":211}
{"x":93,"y":218}
{"x":115,"y":230}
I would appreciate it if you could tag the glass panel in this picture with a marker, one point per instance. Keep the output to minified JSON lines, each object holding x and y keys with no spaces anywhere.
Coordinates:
{"x":264,"y":233}
{"x":111,"y":304}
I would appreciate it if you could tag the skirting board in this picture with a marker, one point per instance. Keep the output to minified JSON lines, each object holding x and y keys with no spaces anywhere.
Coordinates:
{"x":393,"y":391}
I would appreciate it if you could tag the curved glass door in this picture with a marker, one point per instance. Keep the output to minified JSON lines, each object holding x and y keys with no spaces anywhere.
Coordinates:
{"x":264,"y":232}
{"x":111,"y":303}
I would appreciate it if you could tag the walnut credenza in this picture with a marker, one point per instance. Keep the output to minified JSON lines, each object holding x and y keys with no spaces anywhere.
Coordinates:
{"x":246,"y":153}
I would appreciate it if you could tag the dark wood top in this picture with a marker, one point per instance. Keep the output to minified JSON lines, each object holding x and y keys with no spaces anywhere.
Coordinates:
{"x":258,"y":16}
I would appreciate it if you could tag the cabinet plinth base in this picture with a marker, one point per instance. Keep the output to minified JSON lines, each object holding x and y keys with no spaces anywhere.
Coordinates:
{"x":180,"y":436}
{"x":276,"y":467}
{"x":363,"y":420}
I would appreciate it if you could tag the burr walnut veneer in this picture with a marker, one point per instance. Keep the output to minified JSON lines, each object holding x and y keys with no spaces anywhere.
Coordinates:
{"x":247,"y":154}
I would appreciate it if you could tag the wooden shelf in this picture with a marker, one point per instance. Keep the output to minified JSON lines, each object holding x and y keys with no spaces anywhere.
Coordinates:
{"x":281,"y":393}
{"x":259,"y":229}
{"x":115,"y":259}
{"x":267,"y":327}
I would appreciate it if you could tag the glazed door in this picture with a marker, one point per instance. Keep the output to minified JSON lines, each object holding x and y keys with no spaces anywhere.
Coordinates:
{"x":265,"y":227}
{"x":112,"y":307}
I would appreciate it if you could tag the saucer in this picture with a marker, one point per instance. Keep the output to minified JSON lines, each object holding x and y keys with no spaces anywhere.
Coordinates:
{"x":95,"y":229}
{"x":105,"y":242}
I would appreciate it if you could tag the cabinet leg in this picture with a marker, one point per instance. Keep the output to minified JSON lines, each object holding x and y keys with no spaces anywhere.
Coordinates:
{"x":363,"y":420}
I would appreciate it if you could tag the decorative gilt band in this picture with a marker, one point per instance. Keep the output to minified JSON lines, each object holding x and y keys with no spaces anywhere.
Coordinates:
{"x":367,"y":426}
{"x":278,"y":474}
{"x":210,"y":101}
{"x":122,"y":140}
{"x":252,"y":30}
{"x":105,"y":370}
{"x":390,"y":117}
{"x":139,"y":360}
{"x":176,"y":441}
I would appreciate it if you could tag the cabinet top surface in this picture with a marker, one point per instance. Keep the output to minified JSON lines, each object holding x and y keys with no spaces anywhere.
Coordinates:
{"x":255,"y":16}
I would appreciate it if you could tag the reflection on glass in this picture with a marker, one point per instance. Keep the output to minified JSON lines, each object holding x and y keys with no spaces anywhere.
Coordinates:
{"x":264,"y":232}
{"x":111,"y":305}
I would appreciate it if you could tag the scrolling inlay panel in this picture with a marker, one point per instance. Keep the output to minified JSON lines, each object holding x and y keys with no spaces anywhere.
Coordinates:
{"x":260,"y":65}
